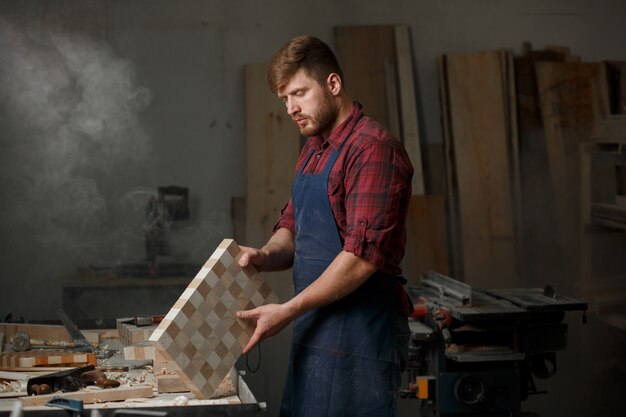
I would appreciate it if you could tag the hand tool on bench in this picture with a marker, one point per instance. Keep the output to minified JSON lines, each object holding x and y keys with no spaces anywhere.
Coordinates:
{"x":80,"y":341}
{"x":23,"y":342}
{"x":142,"y":321}
{"x":66,"y":381}
{"x":147,"y":320}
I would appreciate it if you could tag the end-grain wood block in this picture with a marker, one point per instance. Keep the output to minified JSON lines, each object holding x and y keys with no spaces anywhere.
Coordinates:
{"x":46,"y":358}
{"x":131,"y":334}
{"x":201,"y":334}
{"x":142,"y":351}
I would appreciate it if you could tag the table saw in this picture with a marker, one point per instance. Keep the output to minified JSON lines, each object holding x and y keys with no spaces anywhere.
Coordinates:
{"x":478,"y":352}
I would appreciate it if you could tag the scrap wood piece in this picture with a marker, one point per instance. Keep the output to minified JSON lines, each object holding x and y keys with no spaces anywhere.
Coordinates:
{"x":45,"y":357}
{"x":95,"y":396}
{"x":201,"y":334}
{"x":170,"y":383}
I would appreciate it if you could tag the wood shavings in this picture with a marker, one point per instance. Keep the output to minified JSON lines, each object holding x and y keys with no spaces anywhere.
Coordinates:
{"x":180,"y":400}
{"x":10,"y":386}
{"x":225,"y":389}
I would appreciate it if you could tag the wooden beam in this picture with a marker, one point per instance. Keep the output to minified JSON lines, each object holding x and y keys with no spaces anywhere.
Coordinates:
{"x":408,"y":105}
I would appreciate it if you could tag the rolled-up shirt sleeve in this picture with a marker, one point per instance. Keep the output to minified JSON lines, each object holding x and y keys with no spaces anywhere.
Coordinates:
{"x":376,"y":182}
{"x":286,"y":219}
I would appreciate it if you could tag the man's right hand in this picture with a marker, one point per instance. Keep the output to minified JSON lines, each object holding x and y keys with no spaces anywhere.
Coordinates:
{"x":252,"y":256}
{"x":276,"y":255}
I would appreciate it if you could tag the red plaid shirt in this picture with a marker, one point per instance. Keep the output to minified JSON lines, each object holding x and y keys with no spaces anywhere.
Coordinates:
{"x":369,"y":188}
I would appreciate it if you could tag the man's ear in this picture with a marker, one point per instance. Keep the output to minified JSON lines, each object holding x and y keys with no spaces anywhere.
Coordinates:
{"x":334,"y":83}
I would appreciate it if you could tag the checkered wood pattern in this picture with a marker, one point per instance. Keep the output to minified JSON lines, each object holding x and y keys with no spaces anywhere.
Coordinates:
{"x":46,"y":357}
{"x":201,"y":334}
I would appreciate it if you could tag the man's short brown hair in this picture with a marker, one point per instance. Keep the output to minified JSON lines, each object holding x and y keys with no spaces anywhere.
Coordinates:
{"x":305,"y":52}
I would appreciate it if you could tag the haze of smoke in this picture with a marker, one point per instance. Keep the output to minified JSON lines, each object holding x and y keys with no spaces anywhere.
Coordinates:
{"x":72,"y":132}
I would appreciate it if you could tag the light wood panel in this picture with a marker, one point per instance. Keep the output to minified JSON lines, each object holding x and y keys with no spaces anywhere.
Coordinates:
{"x":480,"y":129}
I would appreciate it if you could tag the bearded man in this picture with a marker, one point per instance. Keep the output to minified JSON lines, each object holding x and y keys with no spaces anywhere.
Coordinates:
{"x":343,"y":232}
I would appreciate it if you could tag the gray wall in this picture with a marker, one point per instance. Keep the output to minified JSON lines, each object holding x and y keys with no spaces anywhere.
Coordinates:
{"x":102,"y":101}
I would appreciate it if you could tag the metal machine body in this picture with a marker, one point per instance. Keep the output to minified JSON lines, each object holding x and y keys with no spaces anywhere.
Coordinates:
{"x":477,"y":352}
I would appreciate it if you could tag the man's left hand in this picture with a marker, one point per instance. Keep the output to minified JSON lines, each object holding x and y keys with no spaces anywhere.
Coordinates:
{"x":270,"y":319}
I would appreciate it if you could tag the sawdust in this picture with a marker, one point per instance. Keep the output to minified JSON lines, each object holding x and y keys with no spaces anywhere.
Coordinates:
{"x":10,"y":386}
{"x":225,"y":389}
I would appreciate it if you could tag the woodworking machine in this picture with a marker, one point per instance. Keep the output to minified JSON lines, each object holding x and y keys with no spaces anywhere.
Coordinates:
{"x":477,"y":352}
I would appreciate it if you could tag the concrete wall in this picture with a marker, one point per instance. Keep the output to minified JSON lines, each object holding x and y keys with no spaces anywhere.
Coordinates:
{"x":102,"y":101}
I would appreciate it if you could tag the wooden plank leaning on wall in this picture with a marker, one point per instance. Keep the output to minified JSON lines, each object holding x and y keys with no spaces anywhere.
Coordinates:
{"x":479,"y":147}
{"x":574,"y":99}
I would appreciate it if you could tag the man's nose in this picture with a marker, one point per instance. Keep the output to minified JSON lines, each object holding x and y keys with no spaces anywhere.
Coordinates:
{"x":292,"y":107}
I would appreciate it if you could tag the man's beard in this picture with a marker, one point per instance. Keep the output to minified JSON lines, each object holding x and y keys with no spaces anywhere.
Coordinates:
{"x":323,"y":121}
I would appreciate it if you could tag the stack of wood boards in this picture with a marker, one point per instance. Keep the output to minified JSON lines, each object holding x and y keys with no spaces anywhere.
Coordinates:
{"x":480,"y":137}
{"x":512,"y":130}
{"x":377,"y":63}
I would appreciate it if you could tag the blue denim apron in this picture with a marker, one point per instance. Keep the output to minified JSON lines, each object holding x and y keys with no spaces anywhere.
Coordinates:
{"x":343,"y":360}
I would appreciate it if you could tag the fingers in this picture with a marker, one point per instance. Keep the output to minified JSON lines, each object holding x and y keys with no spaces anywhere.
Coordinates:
{"x":251,"y":256}
{"x":257,"y":335}
{"x":254,"y":340}
{"x":248,"y":314}
{"x":244,"y":260}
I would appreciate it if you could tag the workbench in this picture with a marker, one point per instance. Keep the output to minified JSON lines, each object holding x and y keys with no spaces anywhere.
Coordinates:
{"x":142,"y":374}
